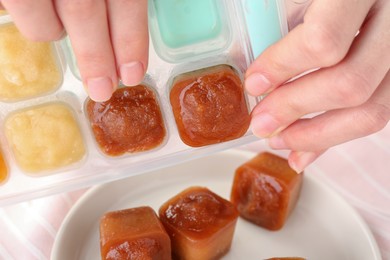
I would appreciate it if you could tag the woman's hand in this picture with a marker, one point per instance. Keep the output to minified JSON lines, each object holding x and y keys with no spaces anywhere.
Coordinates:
{"x":109,"y":38}
{"x":349,"y":94}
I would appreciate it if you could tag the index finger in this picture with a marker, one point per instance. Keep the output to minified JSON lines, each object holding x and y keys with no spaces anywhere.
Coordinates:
{"x":322,"y":40}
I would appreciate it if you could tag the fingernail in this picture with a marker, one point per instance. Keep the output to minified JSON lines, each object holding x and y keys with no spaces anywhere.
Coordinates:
{"x":301,"y":160}
{"x":132,"y":73}
{"x":294,"y":167}
{"x":100,"y":89}
{"x":257,"y":84}
{"x":264,"y":125}
{"x":277,"y":142}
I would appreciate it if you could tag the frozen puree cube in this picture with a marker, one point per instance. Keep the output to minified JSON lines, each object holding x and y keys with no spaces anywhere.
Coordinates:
{"x":209,"y":106}
{"x":134,"y":233}
{"x":200,"y":223}
{"x":27,"y":69}
{"x":265,"y":190}
{"x":131,"y":121}
{"x":187,"y":22}
{"x":45,"y":137}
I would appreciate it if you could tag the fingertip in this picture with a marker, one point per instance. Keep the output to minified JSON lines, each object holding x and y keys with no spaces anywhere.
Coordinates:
{"x":52,"y":36}
{"x":293,"y":166}
{"x":298,"y":161}
{"x":132,"y":73}
{"x":100,"y":89}
{"x":264,"y":125}
{"x":257,"y":84}
{"x":295,"y":160}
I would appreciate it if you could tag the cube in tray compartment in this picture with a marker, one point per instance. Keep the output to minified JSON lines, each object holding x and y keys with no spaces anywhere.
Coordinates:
{"x":186,"y":29}
{"x":209,"y":106}
{"x":45,"y":138}
{"x":265,"y":190}
{"x":131,"y":121}
{"x":200,"y":223}
{"x":27,"y":69}
{"x":134,"y":233}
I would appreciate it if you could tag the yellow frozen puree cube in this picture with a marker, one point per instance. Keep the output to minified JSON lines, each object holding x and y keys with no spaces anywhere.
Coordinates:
{"x":27,"y":69}
{"x":45,"y":138}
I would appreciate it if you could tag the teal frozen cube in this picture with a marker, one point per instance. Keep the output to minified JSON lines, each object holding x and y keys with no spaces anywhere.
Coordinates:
{"x":188,"y":29}
{"x":185,"y":22}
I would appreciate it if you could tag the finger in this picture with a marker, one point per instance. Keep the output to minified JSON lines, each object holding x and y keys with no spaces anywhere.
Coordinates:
{"x":321,"y":41}
{"x":298,"y":161}
{"x":130,"y":38}
{"x":338,"y":126}
{"x":87,"y":26}
{"x":348,"y":84}
{"x":36,"y":19}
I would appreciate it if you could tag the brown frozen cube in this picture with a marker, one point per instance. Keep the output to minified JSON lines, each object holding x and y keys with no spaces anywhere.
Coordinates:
{"x":134,"y":233}
{"x":200,"y":224}
{"x":209,"y":106}
{"x":265,"y":190}
{"x":130,"y":122}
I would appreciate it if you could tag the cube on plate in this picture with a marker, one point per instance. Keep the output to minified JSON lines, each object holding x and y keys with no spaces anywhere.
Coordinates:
{"x":265,"y":190}
{"x":200,"y":223}
{"x":134,"y":233}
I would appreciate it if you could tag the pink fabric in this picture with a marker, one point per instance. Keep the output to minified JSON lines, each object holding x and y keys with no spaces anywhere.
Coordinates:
{"x":358,"y":170}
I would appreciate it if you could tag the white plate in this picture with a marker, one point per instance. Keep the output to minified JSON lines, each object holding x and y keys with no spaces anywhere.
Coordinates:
{"x":322,"y":226}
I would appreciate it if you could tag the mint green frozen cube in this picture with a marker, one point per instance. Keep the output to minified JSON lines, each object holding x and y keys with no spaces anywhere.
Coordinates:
{"x":186,"y":22}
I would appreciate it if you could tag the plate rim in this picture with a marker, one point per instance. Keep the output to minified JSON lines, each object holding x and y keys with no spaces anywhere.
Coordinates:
{"x":247,"y":154}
